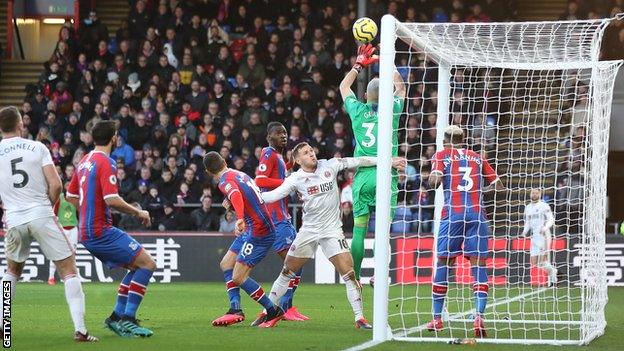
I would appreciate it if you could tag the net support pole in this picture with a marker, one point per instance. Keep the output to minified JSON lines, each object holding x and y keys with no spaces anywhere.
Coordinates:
{"x":444,"y":93}
{"x":384,"y":175}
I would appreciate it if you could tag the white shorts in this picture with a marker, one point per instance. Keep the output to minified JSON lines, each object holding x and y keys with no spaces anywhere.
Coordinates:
{"x":538,"y":245}
{"x":305,"y":244}
{"x":46,"y":231}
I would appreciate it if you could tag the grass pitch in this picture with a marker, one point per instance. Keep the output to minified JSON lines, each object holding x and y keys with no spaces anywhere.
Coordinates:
{"x":180,"y":315}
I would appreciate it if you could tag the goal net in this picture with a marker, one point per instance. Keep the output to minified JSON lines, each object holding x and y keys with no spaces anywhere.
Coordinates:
{"x":534,"y":100}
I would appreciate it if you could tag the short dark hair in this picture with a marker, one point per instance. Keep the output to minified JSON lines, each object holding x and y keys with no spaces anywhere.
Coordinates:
{"x":213,"y":162}
{"x":103,"y":132}
{"x":9,"y":118}
{"x":273,"y":125}
{"x":298,"y":147}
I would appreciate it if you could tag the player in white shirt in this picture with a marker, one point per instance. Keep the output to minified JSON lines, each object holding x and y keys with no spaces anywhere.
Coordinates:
{"x":538,"y":220}
{"x":315,"y":183}
{"x":29,"y":187}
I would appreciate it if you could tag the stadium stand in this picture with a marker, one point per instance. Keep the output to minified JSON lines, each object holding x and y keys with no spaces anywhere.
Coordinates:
{"x":185,"y":77}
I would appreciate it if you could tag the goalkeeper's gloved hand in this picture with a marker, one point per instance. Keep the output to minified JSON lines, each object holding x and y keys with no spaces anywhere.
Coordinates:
{"x":365,"y":57}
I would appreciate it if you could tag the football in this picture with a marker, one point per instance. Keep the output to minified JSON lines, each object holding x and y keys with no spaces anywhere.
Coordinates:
{"x":364,"y":30}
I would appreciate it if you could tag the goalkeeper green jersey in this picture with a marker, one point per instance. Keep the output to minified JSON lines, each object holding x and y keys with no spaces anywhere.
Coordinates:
{"x":364,"y":123}
{"x":67,"y":213}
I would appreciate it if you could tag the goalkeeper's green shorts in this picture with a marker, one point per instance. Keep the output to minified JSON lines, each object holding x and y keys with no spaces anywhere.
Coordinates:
{"x":364,"y":187}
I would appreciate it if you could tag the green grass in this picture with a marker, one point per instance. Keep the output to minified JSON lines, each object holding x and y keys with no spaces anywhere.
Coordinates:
{"x":180,"y":316}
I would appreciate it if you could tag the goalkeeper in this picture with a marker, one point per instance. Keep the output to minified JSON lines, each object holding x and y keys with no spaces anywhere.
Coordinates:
{"x":364,"y":123}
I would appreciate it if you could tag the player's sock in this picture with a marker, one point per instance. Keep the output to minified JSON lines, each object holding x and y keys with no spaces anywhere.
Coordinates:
{"x":439,"y":289}
{"x":255,"y":291}
{"x":354,"y":294}
{"x":280,"y":287}
{"x":52,"y":270}
{"x":286,"y":300}
{"x":10,"y":277}
{"x":233,"y":290}
{"x":76,"y":301}
{"x":550,"y":270}
{"x":480,"y":288}
{"x":136,"y":290}
{"x":360,"y":228}
{"x":122,"y":294}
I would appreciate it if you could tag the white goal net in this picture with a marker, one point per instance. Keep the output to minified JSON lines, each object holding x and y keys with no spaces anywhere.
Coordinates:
{"x":533,"y":100}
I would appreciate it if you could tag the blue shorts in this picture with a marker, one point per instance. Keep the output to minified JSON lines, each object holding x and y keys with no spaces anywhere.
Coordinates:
{"x":254,"y":249}
{"x":471,"y":230}
{"x":115,"y":248}
{"x":237,"y":244}
{"x":285,"y":234}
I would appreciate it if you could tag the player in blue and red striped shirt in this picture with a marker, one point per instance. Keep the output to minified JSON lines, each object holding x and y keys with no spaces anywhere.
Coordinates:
{"x":93,"y":190}
{"x":255,"y":237}
{"x":270,"y":175}
{"x":462,"y":174}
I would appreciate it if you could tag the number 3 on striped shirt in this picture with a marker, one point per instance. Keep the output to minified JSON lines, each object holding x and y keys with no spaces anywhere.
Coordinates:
{"x":469,"y":183}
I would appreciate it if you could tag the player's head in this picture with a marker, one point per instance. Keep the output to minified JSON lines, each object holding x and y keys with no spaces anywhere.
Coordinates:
{"x":536,"y":194}
{"x":104,"y":133}
{"x":453,"y":136}
{"x":276,"y":135}
{"x":372,"y":91}
{"x":214,"y":163}
{"x":10,"y":120}
{"x":304,"y":155}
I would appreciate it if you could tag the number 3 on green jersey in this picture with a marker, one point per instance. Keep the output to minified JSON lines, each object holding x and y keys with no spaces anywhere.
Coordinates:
{"x":364,"y":123}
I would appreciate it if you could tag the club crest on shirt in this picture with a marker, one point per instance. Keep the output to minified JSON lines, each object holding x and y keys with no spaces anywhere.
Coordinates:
{"x":327,"y":174}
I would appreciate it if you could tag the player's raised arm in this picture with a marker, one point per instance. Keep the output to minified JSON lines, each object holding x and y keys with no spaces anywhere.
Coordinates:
{"x":398,"y":163}
{"x":399,"y":85}
{"x":280,"y":192}
{"x":364,"y":58}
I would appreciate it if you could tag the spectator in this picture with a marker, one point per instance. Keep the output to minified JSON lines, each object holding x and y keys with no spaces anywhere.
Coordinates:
{"x":227,"y":222}
{"x":172,"y":220}
{"x":154,"y":204}
{"x":204,"y":218}
{"x":123,"y":152}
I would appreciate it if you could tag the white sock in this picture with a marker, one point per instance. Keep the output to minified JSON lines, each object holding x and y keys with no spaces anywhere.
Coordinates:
{"x":8,"y":276}
{"x":52,"y":270}
{"x":279,"y":288}
{"x":552,"y":271}
{"x":76,"y":301}
{"x":354,"y":295}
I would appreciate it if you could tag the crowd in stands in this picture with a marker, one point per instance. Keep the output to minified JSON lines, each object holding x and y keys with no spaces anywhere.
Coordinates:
{"x":185,"y":77}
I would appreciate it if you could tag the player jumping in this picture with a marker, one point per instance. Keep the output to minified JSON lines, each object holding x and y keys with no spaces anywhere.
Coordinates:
{"x":316,"y":184}
{"x":538,"y":219}
{"x":255,"y":236}
{"x":271,"y":174}
{"x":93,"y":190}
{"x":30,"y":186}
{"x":463,"y":221}
{"x":364,"y":120}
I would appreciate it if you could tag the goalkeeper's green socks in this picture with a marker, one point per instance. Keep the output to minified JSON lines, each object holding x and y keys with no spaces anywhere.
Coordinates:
{"x":360,"y":228}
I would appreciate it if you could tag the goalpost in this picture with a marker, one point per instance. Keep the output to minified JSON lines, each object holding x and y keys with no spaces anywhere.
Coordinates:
{"x":533,"y":99}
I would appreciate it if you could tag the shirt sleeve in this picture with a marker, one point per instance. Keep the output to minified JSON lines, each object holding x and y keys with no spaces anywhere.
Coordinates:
{"x":526,"y":221}
{"x":74,"y":187}
{"x":228,"y":188}
{"x":550,"y":219}
{"x":353,"y":107}
{"x":281,"y":191}
{"x":397,"y":106}
{"x":108,"y":180}
{"x":489,"y":173}
{"x":437,"y":164}
{"x":46,"y":158}
{"x":267,"y":163}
